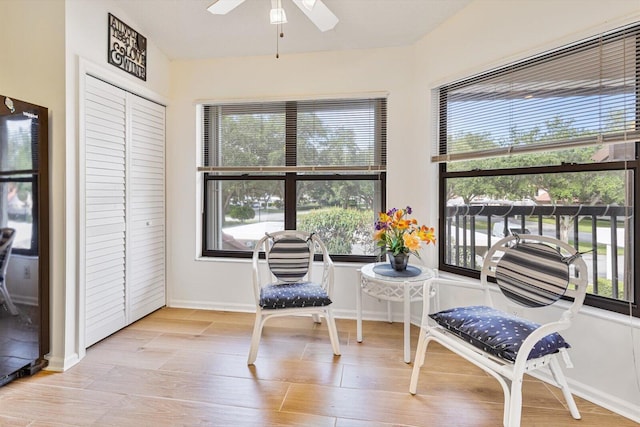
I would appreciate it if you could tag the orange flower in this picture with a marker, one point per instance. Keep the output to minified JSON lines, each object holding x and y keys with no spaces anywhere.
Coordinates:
{"x":397,"y":234}
{"x":411,"y":241}
{"x":378,"y":235}
{"x":427,"y":234}
{"x":403,"y":224}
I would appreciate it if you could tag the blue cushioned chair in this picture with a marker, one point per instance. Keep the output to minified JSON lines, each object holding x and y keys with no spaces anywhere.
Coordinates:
{"x":532,"y":272}
{"x":291,"y":288}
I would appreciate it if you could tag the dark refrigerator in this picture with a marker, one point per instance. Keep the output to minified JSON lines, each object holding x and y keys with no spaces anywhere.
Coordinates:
{"x":24,"y":238}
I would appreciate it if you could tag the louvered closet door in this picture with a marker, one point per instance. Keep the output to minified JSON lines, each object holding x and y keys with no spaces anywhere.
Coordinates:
{"x":104,"y":210}
{"x":146,"y":281}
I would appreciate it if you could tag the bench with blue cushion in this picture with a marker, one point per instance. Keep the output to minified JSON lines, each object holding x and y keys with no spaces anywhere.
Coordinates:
{"x":531,"y":272}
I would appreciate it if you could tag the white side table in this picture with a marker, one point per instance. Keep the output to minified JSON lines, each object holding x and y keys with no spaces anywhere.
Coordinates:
{"x":405,"y":289}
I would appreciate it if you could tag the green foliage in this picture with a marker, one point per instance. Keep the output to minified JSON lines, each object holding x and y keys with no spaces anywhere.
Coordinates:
{"x":259,"y":140}
{"x":605,"y":289}
{"x":340,"y":229}
{"x":241,"y":212}
{"x":345,"y":194}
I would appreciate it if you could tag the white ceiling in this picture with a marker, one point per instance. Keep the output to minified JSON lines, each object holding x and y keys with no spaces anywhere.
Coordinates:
{"x":184,"y":29}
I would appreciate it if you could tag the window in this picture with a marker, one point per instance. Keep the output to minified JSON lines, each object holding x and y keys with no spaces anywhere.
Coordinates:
{"x":316,"y":165}
{"x":548,"y":145}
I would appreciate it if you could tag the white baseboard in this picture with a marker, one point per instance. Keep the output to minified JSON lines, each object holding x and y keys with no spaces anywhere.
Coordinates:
{"x":199,"y":305}
{"x":59,"y":364}
{"x":249,"y":308}
{"x":612,"y":403}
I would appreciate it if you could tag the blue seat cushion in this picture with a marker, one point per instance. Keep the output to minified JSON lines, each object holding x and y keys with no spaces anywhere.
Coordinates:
{"x":496,"y":332}
{"x":288,"y":295}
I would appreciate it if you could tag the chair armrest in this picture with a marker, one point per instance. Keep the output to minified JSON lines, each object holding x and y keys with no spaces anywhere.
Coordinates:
{"x":535,"y":336}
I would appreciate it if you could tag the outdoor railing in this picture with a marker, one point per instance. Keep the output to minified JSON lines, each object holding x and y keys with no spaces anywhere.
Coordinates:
{"x":473,"y":228}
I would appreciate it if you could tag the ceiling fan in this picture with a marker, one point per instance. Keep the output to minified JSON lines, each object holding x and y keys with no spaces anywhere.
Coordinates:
{"x":315,"y":10}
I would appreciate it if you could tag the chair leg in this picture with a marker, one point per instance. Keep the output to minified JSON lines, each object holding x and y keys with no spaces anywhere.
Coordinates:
{"x":559,"y":377}
{"x":421,"y":351}
{"x":13,"y":310}
{"x":333,"y":332}
{"x":514,"y":407}
{"x":316,"y":318}
{"x":255,"y":337}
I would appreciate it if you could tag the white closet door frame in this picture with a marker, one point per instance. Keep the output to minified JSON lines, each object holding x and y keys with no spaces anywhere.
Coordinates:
{"x":88,"y":68}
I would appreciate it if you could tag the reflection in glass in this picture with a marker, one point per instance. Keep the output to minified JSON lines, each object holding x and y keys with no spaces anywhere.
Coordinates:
{"x":21,"y":312}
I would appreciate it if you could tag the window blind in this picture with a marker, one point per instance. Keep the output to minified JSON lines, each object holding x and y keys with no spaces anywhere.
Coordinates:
{"x":342,"y":136}
{"x":591,"y":85}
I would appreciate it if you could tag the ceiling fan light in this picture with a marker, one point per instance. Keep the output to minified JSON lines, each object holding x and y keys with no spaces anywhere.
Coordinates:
{"x":277,"y":16}
{"x":309,"y":4}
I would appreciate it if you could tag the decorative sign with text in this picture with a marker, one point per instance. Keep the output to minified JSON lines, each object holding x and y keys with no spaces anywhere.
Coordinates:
{"x":127,"y":48}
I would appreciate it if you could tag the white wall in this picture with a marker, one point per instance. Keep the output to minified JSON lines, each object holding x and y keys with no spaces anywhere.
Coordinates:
{"x":32,"y":68}
{"x":225,"y":284}
{"x":490,"y":33}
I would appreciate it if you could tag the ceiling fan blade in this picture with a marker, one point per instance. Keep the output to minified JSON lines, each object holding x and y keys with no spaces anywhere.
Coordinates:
{"x":222,"y":7}
{"x":319,"y":14}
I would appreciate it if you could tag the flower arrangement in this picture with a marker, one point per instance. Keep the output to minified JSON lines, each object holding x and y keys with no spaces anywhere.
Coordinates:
{"x":398,"y":234}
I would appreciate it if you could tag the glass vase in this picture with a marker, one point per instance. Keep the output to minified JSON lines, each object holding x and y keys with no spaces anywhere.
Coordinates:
{"x":399,"y":262}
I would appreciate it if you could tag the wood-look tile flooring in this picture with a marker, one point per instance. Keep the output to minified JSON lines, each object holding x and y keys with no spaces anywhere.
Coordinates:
{"x":181,"y":367}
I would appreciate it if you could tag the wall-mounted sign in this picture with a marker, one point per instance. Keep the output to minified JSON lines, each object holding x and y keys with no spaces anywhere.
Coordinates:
{"x":127,"y":48}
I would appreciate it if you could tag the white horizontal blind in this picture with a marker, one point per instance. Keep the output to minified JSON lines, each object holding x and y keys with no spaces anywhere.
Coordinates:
{"x":591,"y":85}
{"x":342,"y":135}
{"x":244,"y":134}
{"x":146,"y":260}
{"x":105,"y":134}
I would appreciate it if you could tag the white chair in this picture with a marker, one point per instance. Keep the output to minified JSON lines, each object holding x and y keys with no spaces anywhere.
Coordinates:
{"x":290,"y":288}
{"x":7,"y":236}
{"x":532,"y":272}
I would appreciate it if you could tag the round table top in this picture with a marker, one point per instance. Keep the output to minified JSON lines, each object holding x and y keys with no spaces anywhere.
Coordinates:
{"x":383,"y":271}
